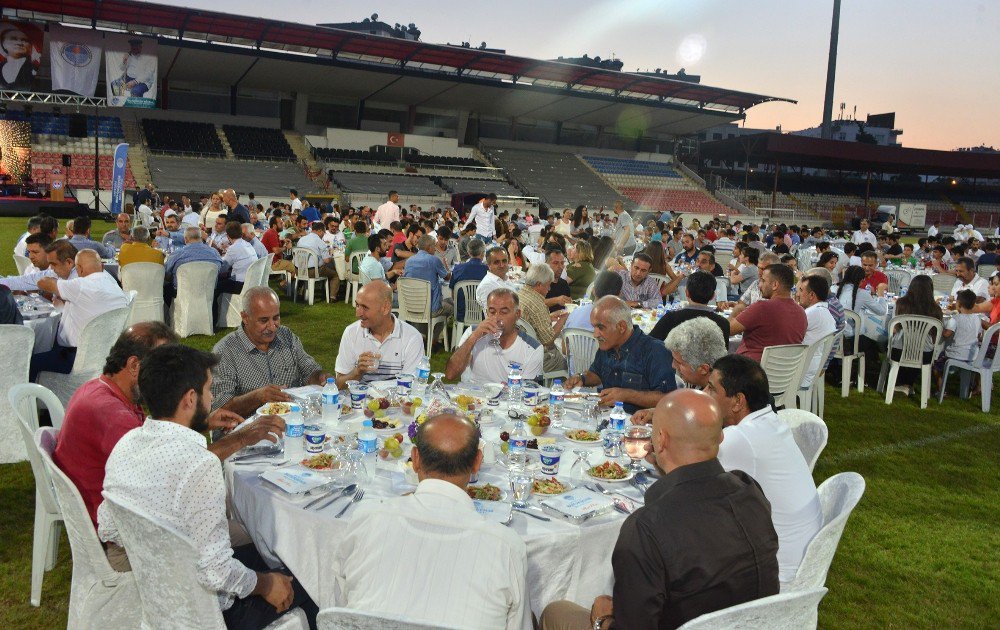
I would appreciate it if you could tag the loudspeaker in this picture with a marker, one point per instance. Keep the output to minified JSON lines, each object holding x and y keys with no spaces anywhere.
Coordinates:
{"x":67,"y":160}
{"x":77,"y":126}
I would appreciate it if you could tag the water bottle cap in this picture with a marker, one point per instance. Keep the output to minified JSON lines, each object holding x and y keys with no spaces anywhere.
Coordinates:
{"x":558,"y":381}
{"x":295,"y":408}
{"x":366,"y":423}
{"x":329,"y":379}
{"x":618,"y":404}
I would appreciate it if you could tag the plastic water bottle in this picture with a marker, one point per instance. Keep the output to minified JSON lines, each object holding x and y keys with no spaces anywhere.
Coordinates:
{"x":331,"y":401}
{"x":660,"y":310}
{"x":618,"y":418}
{"x":557,"y":396}
{"x":294,"y":425}
{"x":514,"y":379}
{"x":423,"y":372}
{"x":368,"y":445}
{"x":517,"y":451}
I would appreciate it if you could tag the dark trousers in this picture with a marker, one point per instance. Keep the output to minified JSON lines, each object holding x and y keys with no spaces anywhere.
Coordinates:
{"x":169,"y":293}
{"x":255,"y":612}
{"x":58,"y":359}
{"x":909,"y":376}
{"x":224,"y":285}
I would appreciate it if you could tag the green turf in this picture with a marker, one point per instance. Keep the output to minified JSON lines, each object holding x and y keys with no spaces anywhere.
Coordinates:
{"x":919,"y":551}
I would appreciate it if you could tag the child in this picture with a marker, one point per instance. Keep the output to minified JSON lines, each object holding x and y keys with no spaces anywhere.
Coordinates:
{"x":961,"y":333}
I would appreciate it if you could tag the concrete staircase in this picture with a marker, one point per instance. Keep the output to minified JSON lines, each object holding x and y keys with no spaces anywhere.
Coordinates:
{"x":312,"y":169}
{"x":138,"y":157}
{"x":225,"y":143}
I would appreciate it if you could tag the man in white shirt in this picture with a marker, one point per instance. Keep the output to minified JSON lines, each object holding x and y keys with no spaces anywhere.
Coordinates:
{"x":812,"y":294}
{"x":333,"y":236}
{"x":483,"y":358}
{"x":371,"y":266}
{"x":163,"y":469}
{"x":34,"y":227}
{"x":624,"y":230}
{"x":965,"y":271}
{"x":59,"y":262}
{"x":758,"y":443}
{"x":462,"y":570}
{"x":863,"y":235}
{"x":250,"y":236}
{"x":378,"y":346}
{"x":933,"y":229}
{"x":296,"y":205}
{"x":313,"y":241}
{"x":484,"y":214}
{"x":217,"y":238}
{"x":495,"y":278}
{"x":236,"y":261}
{"x":388,"y":211}
{"x":83,"y":298}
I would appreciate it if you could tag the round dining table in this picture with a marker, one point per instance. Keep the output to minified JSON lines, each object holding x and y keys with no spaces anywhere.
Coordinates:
{"x":566,"y":560}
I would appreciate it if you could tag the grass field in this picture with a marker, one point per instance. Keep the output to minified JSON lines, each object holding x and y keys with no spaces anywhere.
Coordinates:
{"x":920,"y":551}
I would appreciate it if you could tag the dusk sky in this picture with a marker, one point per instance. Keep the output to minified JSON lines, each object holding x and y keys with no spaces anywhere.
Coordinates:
{"x":934,"y":63}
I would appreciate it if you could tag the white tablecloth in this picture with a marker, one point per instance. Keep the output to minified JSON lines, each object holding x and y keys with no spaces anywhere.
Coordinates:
{"x":42,"y":318}
{"x":565,"y":561}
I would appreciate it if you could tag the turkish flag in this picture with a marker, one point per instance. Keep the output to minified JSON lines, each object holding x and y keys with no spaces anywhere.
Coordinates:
{"x":395,"y":139}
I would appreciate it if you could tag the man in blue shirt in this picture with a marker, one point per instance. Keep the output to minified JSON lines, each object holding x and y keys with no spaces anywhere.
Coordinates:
{"x":81,"y":237}
{"x":311,"y":212}
{"x":688,"y":253}
{"x":426,"y":266}
{"x":237,"y":211}
{"x":194,"y":250}
{"x":474,"y":269}
{"x":630,"y":366}
{"x":171,"y":233}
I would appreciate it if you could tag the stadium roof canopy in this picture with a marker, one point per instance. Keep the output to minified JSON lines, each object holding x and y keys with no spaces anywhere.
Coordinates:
{"x":257,"y":53}
{"x":805,"y":151}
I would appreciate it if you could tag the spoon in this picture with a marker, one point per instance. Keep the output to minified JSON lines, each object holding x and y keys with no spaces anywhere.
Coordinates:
{"x":343,"y":493}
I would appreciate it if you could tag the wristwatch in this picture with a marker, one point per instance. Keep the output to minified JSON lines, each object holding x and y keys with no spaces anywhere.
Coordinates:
{"x":599,"y":622}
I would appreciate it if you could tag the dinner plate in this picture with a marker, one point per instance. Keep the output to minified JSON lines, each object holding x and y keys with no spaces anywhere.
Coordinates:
{"x":260,"y":410}
{"x":566,"y":488}
{"x":627,"y":477}
{"x":401,"y":428}
{"x":503,"y":493}
{"x":587,"y":442}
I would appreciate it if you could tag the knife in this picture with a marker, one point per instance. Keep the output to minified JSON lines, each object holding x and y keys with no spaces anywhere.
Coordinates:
{"x":254,"y":456}
{"x":541,"y":518}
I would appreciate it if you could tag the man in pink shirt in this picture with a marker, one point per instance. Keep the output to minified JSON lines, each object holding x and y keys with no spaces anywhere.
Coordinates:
{"x":774,"y":321}
{"x":388,"y":211}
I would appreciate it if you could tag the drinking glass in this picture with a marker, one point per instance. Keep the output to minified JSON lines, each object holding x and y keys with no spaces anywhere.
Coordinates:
{"x":357,"y":472}
{"x":437,"y":387}
{"x":635,"y":440}
{"x":521,"y":485}
{"x":581,"y":465}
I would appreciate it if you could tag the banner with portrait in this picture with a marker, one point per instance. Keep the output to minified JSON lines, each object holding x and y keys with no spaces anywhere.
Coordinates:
{"x":118,"y":177}
{"x":75,"y":55}
{"x":20,"y":55}
{"x":130,"y":70}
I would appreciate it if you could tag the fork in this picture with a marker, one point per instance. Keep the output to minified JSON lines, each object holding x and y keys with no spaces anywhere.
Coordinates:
{"x":357,"y":497}
{"x":610,"y":493}
{"x":259,"y":462}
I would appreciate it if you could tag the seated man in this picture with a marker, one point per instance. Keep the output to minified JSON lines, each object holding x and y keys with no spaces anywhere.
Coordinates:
{"x":378,"y":346}
{"x":250,"y":236}
{"x":559,"y":293}
{"x":194,"y":250}
{"x":170,"y":235}
{"x":703,"y":541}
{"x":695,"y":347}
{"x":235,"y":264}
{"x":371,"y":265}
{"x":435,"y":531}
{"x":56,"y":259}
{"x":483,"y":357}
{"x":91,"y":294}
{"x":812,"y":295}
{"x":706,"y":262}
{"x":260,"y":358}
{"x":630,"y":366}
{"x":700,"y":292}
{"x":139,"y":249}
{"x":81,"y":237}
{"x":163,"y":469}
{"x":537,"y":282}
{"x":606,"y":283}
{"x":107,"y":407}
{"x":758,"y":443}
{"x":426,"y":266}
{"x":472,"y":269}
{"x":34,"y":249}
{"x":968,"y":279}
{"x":313,"y":241}
{"x":121,"y":234}
{"x":497,"y":261}
{"x":639,"y":290}
{"x":751,"y":294}
{"x":773,"y":321}
{"x":875,"y":281}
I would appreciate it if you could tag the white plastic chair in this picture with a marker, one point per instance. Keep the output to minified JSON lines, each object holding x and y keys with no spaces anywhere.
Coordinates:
{"x":943,"y":283}
{"x":898,"y":278}
{"x":838,"y":497}
{"x":232,"y":304}
{"x":99,"y":596}
{"x":306,"y":261}
{"x":784,"y":611}
{"x":809,"y":432}
{"x":527,"y":328}
{"x":22,"y":263}
{"x":95,"y":343}
{"x":986,"y":271}
{"x":473,"y":314}
{"x":917,"y":332}
{"x":721,"y":290}
{"x":662,"y":279}
{"x":580,"y":347}
{"x":415,"y":307}
{"x":347,"y":619}
{"x":813,"y":397}
{"x":23,"y":399}
{"x":191,"y":311}
{"x":981,"y":365}
{"x":848,"y":356}
{"x":146,"y":279}
{"x":782,"y":365}
{"x":13,"y":372}
{"x":354,"y":280}
{"x":165,"y":565}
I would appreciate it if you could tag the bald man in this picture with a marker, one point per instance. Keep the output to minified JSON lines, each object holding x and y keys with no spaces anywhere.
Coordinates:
{"x":378,"y":346}
{"x":237,"y":211}
{"x":703,"y":542}
{"x":435,"y":531}
{"x":92,"y":293}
